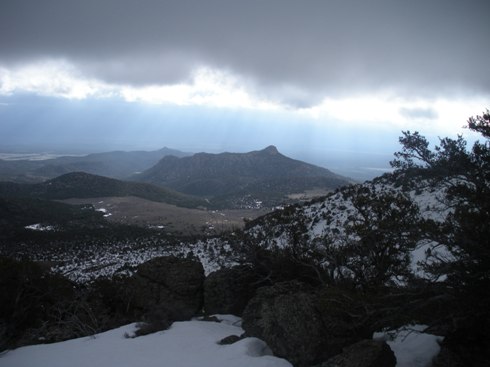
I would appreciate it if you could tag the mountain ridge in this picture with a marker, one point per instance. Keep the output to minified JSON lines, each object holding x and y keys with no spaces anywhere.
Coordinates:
{"x":232,"y":174}
{"x":117,"y":164}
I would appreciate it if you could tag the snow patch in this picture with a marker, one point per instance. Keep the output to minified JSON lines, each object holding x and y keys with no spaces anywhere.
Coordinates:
{"x":39,"y":227}
{"x":412,"y":348}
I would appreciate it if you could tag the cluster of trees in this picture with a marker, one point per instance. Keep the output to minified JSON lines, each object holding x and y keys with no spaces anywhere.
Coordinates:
{"x":463,"y":268}
{"x":465,"y":234}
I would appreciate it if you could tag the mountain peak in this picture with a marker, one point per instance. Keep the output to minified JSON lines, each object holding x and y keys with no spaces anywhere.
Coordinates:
{"x":229,"y":177}
{"x":271,"y":149}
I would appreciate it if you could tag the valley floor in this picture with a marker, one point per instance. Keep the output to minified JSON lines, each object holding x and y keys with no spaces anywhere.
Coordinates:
{"x":145,"y":213}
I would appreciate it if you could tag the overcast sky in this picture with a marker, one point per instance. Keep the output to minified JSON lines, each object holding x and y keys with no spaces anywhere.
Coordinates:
{"x":418,"y":64}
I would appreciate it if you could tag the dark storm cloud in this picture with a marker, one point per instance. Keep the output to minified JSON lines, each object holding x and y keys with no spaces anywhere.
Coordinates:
{"x":311,"y":47}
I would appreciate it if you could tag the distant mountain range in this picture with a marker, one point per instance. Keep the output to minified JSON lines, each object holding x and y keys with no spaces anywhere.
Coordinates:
{"x":266,"y":175}
{"x":85,"y":185}
{"x":117,"y":164}
{"x":226,"y":180}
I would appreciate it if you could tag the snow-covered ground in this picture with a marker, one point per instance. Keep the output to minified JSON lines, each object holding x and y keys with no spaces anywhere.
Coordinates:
{"x":93,"y":261}
{"x":320,"y":221}
{"x":189,"y":344}
{"x":330,"y":216}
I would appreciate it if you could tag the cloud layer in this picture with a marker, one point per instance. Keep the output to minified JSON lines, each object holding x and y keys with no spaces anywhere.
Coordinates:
{"x":293,"y":53}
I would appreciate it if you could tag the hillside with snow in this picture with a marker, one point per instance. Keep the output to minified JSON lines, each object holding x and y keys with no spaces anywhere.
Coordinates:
{"x":311,"y":223}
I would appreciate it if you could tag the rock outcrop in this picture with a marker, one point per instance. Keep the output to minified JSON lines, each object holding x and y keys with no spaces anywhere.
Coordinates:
{"x":169,"y":286}
{"x":227,"y":291}
{"x":287,"y":318}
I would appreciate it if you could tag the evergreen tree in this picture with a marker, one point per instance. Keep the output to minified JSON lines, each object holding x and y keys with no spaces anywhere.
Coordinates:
{"x":465,"y":174}
{"x":374,"y":250}
{"x":465,"y":270}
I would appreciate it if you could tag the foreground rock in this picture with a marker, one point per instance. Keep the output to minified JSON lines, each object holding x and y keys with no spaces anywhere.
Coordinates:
{"x":227,"y":291}
{"x":169,"y":287}
{"x":366,"y":353}
{"x":287,"y":318}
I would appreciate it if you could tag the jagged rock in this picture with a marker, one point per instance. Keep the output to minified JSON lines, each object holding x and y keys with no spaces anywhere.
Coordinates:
{"x":169,"y":287}
{"x":366,"y":353}
{"x":286,"y":317}
{"x":227,"y":291}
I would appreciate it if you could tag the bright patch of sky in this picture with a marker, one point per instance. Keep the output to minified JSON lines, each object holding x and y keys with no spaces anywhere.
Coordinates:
{"x":220,"y":89}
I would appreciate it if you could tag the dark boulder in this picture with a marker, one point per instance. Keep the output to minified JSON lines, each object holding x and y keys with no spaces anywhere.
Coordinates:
{"x":287,"y":318}
{"x":366,"y":353}
{"x":227,"y":291}
{"x":169,"y":287}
